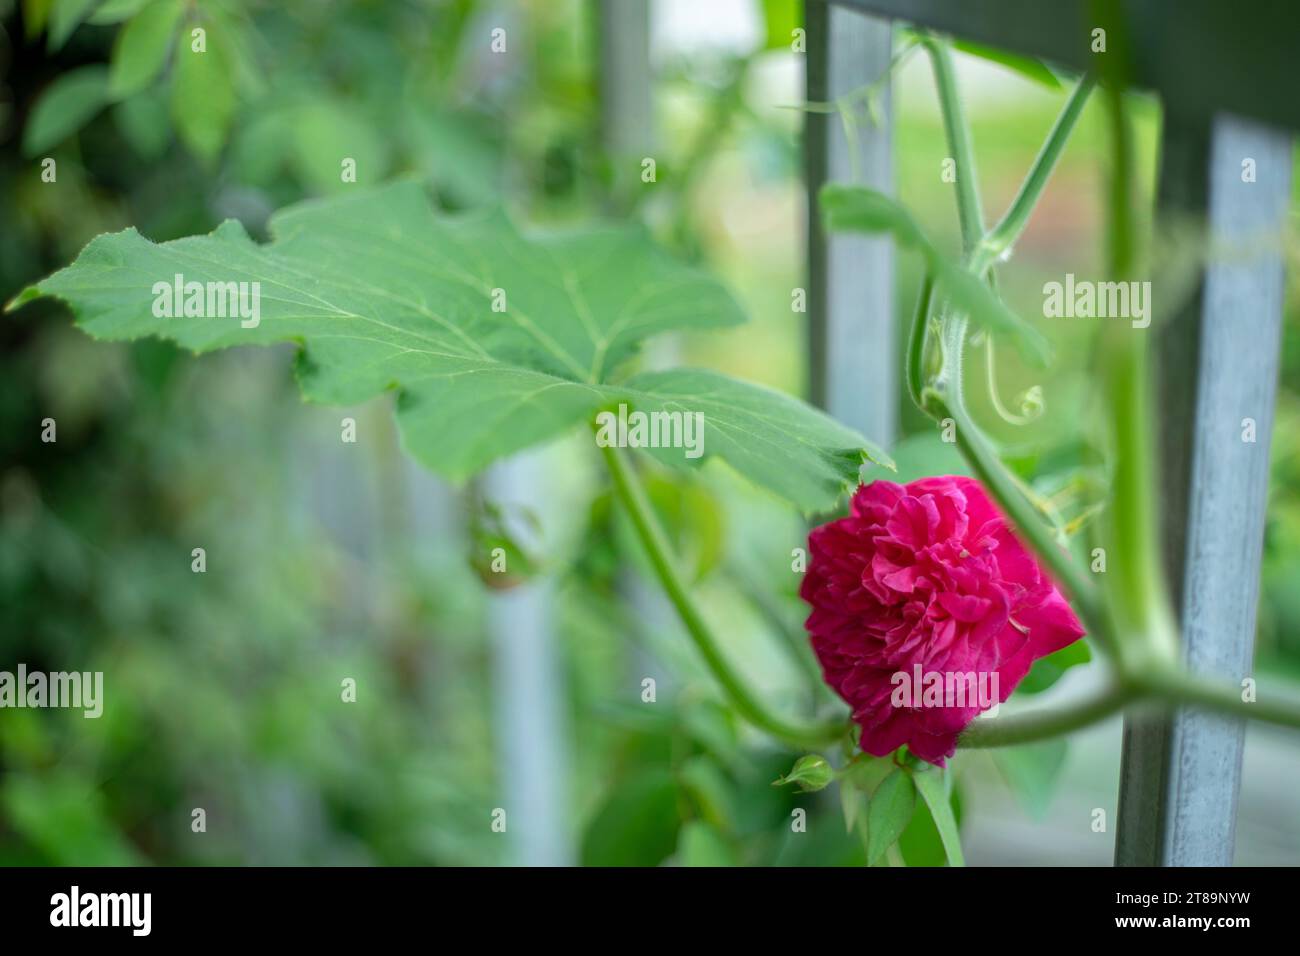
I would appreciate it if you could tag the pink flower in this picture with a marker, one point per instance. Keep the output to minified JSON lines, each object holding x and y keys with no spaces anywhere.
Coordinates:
{"x":926,"y":581}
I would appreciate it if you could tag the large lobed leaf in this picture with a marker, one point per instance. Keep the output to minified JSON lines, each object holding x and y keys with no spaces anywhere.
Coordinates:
{"x":382,"y":294}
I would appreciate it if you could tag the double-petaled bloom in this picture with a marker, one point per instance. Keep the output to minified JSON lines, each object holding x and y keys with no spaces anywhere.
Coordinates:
{"x":927,"y":579}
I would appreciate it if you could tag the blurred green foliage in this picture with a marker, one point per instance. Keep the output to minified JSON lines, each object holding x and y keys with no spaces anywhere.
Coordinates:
{"x":225,"y":686}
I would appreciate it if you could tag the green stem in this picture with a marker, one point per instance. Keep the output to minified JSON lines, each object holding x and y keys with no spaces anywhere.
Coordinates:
{"x":794,"y":641}
{"x":916,"y":341}
{"x":1004,"y":235}
{"x":970,"y":213}
{"x":1137,"y":597}
{"x":981,"y":252}
{"x":991,"y":378}
{"x":999,"y":483}
{"x":746,"y":701}
{"x":864,"y":92}
{"x":1044,"y":724}
{"x":1167,"y":687}
{"x":1136,"y":603}
{"x":1120,"y":241}
{"x":1181,"y":688}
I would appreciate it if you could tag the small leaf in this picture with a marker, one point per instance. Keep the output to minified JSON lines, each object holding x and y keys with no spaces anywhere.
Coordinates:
{"x":858,"y":781}
{"x":203,"y":93}
{"x":857,"y":209}
{"x":141,"y":47}
{"x":866,"y":772}
{"x":810,"y":772}
{"x":931,"y":787}
{"x":973,"y":296}
{"x":64,"y":107}
{"x":888,"y":813}
{"x":920,"y":844}
{"x":1027,"y":66}
{"x":852,"y":802}
{"x":65,"y":16}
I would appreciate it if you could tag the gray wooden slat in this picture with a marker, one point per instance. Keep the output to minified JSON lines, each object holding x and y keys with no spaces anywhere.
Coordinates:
{"x":1143,"y":789}
{"x":1218,"y":365}
{"x":532,"y":739}
{"x":852,"y":338}
{"x":1201,"y":56}
{"x":628,"y":133}
{"x":627,"y":121}
{"x":626,"y":103}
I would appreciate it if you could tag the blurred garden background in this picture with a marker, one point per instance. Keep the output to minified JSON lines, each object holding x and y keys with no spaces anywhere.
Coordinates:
{"x":328,"y":560}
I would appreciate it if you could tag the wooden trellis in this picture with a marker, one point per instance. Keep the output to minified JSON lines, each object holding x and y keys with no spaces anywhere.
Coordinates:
{"x":1219,"y":74}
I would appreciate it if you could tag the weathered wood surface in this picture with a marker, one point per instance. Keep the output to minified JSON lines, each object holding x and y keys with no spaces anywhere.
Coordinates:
{"x":1218,"y":367}
{"x":852,"y":339}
